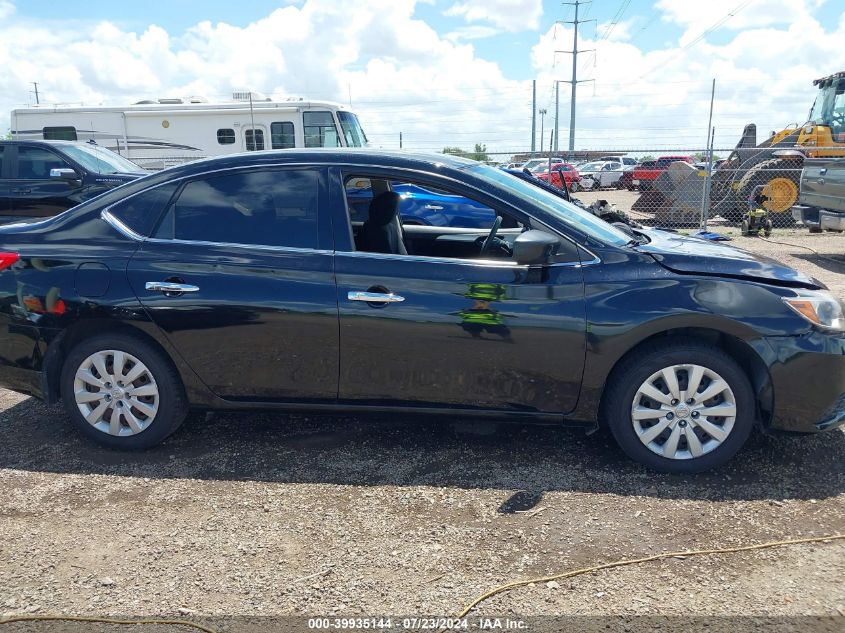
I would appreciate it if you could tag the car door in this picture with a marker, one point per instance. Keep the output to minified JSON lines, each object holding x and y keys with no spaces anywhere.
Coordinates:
{"x":606,"y":175}
{"x":33,"y":192}
{"x":238,"y":276}
{"x":461,"y":333}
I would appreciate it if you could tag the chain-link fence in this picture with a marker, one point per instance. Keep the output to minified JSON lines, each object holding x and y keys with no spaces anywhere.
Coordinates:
{"x":678,"y":188}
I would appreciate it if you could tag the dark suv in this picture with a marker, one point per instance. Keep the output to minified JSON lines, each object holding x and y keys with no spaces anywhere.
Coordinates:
{"x":43,"y":178}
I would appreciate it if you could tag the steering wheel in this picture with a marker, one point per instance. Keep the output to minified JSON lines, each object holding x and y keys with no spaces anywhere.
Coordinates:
{"x":488,"y":242}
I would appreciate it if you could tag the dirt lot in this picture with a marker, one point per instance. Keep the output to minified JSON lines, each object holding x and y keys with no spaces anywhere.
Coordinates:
{"x":275,"y":514}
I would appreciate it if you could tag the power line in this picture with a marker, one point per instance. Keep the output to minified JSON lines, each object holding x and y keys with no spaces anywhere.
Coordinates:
{"x":712,"y":28}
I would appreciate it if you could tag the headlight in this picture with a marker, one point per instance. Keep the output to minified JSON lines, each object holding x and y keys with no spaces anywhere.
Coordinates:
{"x":820,"y":309}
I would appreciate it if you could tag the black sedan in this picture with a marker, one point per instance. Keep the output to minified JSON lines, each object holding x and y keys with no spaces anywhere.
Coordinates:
{"x":243,"y":282}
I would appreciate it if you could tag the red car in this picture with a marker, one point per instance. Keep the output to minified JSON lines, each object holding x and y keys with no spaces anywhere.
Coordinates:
{"x":570,"y":175}
{"x":647,"y":172}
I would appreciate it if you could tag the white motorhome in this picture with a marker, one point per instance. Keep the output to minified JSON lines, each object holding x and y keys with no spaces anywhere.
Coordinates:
{"x":164,"y":132}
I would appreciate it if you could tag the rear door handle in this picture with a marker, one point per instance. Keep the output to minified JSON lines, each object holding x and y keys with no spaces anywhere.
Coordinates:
{"x":21,"y":190}
{"x":169,"y":286}
{"x":374,"y":297}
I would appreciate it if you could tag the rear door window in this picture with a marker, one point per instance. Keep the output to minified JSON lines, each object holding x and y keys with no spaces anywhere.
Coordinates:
{"x":265,"y":207}
{"x":141,"y":212}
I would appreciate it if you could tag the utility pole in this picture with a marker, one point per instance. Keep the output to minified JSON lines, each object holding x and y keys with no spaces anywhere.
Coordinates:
{"x":542,"y":119}
{"x":574,"y":80}
{"x":557,"y":112}
{"x":534,"y":118}
{"x":37,"y":101}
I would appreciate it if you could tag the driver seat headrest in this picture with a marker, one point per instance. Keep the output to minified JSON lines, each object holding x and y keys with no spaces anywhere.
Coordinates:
{"x":384,"y":208}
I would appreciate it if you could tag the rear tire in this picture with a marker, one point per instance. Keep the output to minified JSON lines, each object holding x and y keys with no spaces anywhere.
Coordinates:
{"x":682,"y":437}
{"x":121,"y":392}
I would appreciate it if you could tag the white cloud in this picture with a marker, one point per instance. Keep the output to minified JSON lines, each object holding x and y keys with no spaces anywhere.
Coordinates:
{"x":661,"y":98}
{"x":508,"y":15}
{"x":472,"y":32}
{"x":6,"y":9}
{"x":404,"y":76}
{"x":753,"y":14}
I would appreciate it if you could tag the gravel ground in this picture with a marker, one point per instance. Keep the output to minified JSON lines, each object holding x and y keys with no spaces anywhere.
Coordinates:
{"x":314,"y":515}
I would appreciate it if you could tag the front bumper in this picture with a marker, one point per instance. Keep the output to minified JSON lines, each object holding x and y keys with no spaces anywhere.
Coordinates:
{"x":808,"y":381}
{"x":818,"y":218}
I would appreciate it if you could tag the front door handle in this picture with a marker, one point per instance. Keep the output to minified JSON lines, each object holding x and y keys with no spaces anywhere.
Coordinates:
{"x":374,"y":297}
{"x":169,"y":286}
{"x":21,"y":190}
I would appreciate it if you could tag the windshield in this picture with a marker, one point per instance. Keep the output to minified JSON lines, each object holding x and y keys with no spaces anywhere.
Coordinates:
{"x":829,"y":108}
{"x":352,"y":131}
{"x":100,"y":160}
{"x":578,"y":219}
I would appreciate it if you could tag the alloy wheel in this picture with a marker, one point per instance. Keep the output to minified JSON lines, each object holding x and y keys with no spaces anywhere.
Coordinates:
{"x":116,"y":393}
{"x":683,"y":411}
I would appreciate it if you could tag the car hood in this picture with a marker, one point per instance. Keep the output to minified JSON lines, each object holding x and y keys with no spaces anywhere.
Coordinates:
{"x":696,"y":256}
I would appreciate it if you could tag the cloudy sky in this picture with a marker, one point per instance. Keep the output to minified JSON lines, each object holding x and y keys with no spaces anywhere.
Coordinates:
{"x":443,"y":72}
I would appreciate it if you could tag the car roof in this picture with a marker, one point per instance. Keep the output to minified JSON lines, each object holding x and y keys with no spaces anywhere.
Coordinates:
{"x":39,"y":141}
{"x":373,"y":157}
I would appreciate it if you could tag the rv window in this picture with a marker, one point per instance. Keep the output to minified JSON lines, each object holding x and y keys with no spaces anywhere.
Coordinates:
{"x":320,"y":130}
{"x":269,"y":208}
{"x":226,"y":136}
{"x":254,"y":140}
{"x":281,"y":135}
{"x":141,"y":212}
{"x":59,"y":133}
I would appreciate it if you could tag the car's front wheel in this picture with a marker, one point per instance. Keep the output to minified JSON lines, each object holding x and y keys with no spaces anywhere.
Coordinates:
{"x":679,"y":406}
{"x":122,"y":392}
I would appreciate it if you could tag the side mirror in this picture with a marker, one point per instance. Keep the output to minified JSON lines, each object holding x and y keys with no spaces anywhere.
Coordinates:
{"x":534,"y":247}
{"x":64,"y":174}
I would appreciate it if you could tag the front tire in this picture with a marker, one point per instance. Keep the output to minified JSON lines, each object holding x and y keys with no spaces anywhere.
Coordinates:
{"x":679,"y":406}
{"x":121,"y":392}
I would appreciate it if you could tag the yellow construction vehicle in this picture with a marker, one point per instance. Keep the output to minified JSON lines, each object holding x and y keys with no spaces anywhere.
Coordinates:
{"x":775,"y":164}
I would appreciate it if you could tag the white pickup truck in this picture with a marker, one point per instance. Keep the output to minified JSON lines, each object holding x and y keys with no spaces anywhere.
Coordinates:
{"x":821,"y":203}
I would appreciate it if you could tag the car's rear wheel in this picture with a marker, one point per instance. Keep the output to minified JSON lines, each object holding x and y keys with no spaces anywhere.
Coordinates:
{"x":679,"y":407}
{"x":121,"y":392}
